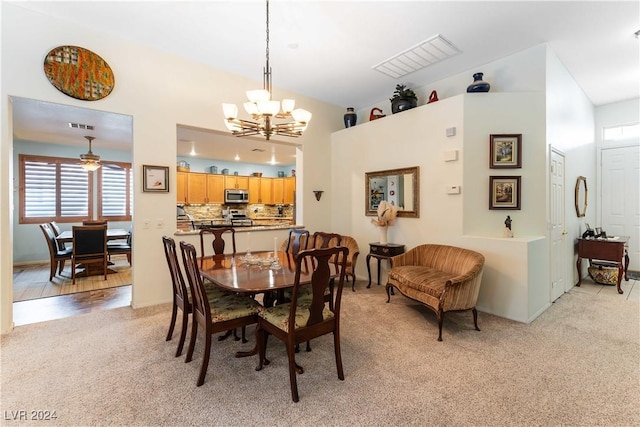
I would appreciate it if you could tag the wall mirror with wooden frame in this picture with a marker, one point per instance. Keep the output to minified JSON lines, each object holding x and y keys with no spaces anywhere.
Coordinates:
{"x":400,"y":187}
{"x":581,"y":196}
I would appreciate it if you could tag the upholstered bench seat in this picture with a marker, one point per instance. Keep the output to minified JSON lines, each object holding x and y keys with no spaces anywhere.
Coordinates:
{"x":444,"y":278}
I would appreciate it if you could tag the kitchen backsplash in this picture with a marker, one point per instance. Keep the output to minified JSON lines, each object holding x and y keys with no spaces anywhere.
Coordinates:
{"x":253,"y":211}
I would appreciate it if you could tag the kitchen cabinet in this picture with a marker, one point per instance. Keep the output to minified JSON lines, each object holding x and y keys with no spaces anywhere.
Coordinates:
{"x":260,"y":190}
{"x":236,"y":181}
{"x":196,"y":187}
{"x":284,"y":190}
{"x":215,"y":188}
{"x":181,"y":187}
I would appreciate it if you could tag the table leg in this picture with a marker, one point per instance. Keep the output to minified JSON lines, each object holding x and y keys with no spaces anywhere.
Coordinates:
{"x":620,"y":268}
{"x":369,"y":269}
{"x":378,"y":271}
{"x":626,"y":265}
{"x":578,"y":266}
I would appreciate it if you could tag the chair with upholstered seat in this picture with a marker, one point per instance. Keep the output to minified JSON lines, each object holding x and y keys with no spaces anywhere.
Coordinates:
{"x":89,"y":246}
{"x":322,"y":239}
{"x":213,"y":314}
{"x":57,"y":256}
{"x":218,"y":244}
{"x":293,"y":323}
{"x":351,"y":244}
{"x":297,"y":241}
{"x":181,"y":295}
{"x":121,"y":247}
{"x":56,"y":231}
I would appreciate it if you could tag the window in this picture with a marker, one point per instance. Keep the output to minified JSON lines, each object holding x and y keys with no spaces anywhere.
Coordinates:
{"x":621,"y":132}
{"x":58,"y":189}
{"x":115,"y":191}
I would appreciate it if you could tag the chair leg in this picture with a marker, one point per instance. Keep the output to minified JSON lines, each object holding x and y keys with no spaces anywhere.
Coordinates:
{"x":192,"y":341}
{"x":52,"y":271}
{"x":174,"y":315}
{"x":336,"y":345}
{"x":475,"y":318}
{"x":292,"y":372}
{"x":183,"y":333}
{"x":261,"y":345}
{"x":61,"y":266}
{"x":205,"y":359}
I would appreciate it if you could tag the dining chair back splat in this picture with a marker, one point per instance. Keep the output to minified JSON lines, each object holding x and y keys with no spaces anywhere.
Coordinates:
{"x":213,"y":314}
{"x":218,"y":244}
{"x":297,"y":241}
{"x":296,"y":322}
{"x":325,"y":240}
{"x":180,"y":294}
{"x":56,"y":231}
{"x":57,"y":256}
{"x":89,"y":246}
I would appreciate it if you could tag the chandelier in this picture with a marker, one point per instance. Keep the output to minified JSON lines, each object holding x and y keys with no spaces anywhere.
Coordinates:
{"x":90,"y":161}
{"x":264,"y":110}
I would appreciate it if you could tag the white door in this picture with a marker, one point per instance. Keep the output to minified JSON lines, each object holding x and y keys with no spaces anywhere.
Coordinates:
{"x":558,"y":263}
{"x":619,"y":201}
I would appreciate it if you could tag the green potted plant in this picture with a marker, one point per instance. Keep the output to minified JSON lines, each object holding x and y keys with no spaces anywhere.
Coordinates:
{"x":403,"y":98}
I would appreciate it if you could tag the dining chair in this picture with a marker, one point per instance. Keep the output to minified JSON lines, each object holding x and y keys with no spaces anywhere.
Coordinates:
{"x":119,"y":247}
{"x":181,"y":294}
{"x":89,"y":246}
{"x":94,"y":222}
{"x":57,"y":256}
{"x":295,"y":322}
{"x":218,"y":244}
{"x":56,"y":231}
{"x":351,"y":244}
{"x":297,"y":241}
{"x":325,"y":240}
{"x":213,"y":314}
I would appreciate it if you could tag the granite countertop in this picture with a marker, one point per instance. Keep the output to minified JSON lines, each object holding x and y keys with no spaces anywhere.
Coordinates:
{"x":243,"y":229}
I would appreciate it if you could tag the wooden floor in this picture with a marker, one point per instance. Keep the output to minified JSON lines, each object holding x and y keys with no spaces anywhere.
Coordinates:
{"x":31,"y":281}
{"x":38,"y":300}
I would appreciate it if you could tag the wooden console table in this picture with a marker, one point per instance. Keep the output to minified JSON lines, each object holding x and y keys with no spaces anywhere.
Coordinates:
{"x":381,"y":251}
{"x":609,"y":249}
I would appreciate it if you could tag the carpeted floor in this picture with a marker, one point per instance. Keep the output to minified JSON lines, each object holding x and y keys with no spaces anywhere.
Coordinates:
{"x":577,"y":364}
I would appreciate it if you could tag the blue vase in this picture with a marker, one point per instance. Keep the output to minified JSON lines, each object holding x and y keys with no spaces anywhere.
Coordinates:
{"x":350,"y":118}
{"x":478,"y":84}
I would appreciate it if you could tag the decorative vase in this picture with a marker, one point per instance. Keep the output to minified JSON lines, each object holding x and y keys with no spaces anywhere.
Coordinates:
{"x":383,"y":235}
{"x":478,"y":84}
{"x":401,"y":104}
{"x":350,"y":118}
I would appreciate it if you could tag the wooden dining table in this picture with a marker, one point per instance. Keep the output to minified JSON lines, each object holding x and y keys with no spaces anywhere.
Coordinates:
{"x":112,"y":234}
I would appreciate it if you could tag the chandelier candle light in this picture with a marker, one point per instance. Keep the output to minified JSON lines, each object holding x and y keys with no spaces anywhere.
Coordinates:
{"x":264,"y":110}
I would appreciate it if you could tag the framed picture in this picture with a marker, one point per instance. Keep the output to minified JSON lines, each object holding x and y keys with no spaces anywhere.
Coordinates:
{"x":506,"y":151}
{"x":504,"y":192}
{"x":155,"y":178}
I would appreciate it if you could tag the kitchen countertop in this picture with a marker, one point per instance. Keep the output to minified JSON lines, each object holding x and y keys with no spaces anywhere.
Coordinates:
{"x":244,"y":229}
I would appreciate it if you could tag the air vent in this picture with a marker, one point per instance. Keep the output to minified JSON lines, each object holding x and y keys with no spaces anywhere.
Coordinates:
{"x":81,"y":126}
{"x":428,"y":52}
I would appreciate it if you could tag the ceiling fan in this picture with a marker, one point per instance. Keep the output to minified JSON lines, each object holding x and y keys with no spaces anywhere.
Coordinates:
{"x":89,"y":161}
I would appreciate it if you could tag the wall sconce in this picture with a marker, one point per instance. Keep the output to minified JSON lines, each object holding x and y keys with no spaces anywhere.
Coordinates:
{"x":318,"y":194}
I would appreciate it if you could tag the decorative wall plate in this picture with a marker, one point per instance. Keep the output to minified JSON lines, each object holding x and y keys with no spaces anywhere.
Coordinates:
{"x":79,"y":73}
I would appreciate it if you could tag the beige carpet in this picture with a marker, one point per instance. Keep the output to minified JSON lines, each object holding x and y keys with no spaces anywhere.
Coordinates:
{"x":577,"y":364}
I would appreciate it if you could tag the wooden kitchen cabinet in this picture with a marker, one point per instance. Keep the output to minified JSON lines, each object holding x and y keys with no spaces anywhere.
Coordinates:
{"x":284,"y":190}
{"x":215,"y":188}
{"x":260,"y":190}
{"x":196,"y":188}
{"x":181,"y":187}
{"x":236,"y":181}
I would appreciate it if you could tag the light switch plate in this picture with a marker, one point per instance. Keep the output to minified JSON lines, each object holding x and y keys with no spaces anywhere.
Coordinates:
{"x":451,"y":131}
{"x":453,"y":189}
{"x":450,"y":156}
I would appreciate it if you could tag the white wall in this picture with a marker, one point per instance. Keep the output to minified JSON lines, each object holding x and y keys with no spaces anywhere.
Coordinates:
{"x":159,"y":91}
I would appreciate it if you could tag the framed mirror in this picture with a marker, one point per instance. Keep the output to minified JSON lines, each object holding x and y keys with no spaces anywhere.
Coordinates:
{"x":581,"y":196}
{"x":400,"y":187}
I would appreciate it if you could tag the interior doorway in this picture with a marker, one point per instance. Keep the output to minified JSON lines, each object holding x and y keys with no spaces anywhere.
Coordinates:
{"x":558,"y":248}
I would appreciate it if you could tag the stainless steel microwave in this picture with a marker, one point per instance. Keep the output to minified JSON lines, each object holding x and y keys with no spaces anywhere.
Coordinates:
{"x":233,"y":195}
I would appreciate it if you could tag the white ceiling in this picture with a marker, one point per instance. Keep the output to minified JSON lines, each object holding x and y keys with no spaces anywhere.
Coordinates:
{"x":339,"y":41}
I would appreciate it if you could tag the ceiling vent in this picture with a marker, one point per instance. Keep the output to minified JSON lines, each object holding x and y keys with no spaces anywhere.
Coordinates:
{"x":428,"y":52}
{"x":81,"y":126}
